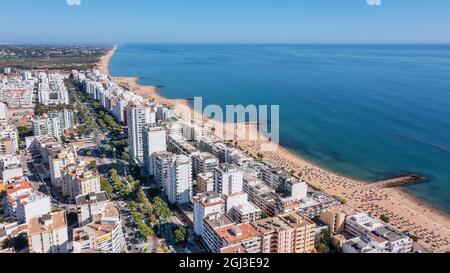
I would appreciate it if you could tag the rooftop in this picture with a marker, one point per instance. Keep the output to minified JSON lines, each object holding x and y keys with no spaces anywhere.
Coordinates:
{"x":389,"y":234}
{"x":233,"y":249}
{"x":47,"y":223}
{"x":92,"y":198}
{"x":295,"y":220}
{"x":270,"y":225}
{"x":246,"y":208}
{"x":218,"y":220}
{"x":227,"y":167}
{"x":208,"y":199}
{"x":237,"y":233}
{"x":102,"y":224}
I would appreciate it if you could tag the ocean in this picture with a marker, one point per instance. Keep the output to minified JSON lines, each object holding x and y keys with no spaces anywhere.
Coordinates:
{"x":367,"y":111}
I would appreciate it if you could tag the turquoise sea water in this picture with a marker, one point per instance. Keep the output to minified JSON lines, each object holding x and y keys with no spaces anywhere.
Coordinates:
{"x":366,"y":111}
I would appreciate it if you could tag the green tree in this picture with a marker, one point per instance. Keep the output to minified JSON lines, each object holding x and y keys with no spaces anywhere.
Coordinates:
{"x":325,"y":245}
{"x":106,"y":186}
{"x":180,"y":235}
{"x":24,"y":132}
{"x":93,"y":165}
{"x":19,"y":242}
{"x":161,"y":208}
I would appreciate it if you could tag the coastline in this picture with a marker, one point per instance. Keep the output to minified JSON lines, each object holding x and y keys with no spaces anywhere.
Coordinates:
{"x":406,"y":212}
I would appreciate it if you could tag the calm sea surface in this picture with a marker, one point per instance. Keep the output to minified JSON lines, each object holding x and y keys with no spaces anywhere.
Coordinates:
{"x":366,"y":111}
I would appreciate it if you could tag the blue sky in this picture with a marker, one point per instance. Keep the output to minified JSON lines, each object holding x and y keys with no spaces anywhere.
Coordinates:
{"x":225,"y":21}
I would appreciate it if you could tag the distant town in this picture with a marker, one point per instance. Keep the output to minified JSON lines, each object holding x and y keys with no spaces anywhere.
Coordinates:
{"x":87,"y":166}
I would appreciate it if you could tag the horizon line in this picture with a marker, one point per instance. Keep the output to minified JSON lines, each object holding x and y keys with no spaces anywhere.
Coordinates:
{"x":213,"y":43}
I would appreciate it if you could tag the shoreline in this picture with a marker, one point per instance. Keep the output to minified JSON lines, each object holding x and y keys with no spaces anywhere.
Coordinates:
{"x":407,"y":213}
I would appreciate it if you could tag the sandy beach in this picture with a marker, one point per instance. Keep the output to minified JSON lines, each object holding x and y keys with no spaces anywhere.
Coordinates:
{"x":405,"y":212}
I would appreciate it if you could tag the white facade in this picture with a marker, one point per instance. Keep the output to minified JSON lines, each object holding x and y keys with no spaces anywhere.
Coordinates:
{"x":299,"y":190}
{"x":59,"y":161}
{"x":161,"y":162}
{"x":205,"y":162}
{"x":235,"y":199}
{"x":154,"y":141}
{"x":90,"y":205}
{"x":48,"y":234}
{"x":361,"y":224}
{"x":11,"y":171}
{"x":104,"y":233}
{"x":24,"y":203}
{"x":52,"y":89}
{"x":47,"y":127}
{"x":137,"y":118}
{"x":3,"y":113}
{"x":66,"y":119}
{"x":204,"y":205}
{"x":229,"y":179}
{"x":34,"y":205}
{"x":179,"y":180}
{"x":9,"y":131}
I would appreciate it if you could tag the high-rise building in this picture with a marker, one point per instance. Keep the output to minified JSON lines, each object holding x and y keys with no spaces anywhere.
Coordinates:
{"x":204,"y":162}
{"x":204,"y":205}
{"x":137,"y":117}
{"x":179,"y":180}
{"x":3,"y":113}
{"x":48,"y":234}
{"x":47,"y":127}
{"x":161,"y":163}
{"x":66,"y":119}
{"x":154,"y":139}
{"x":229,"y":179}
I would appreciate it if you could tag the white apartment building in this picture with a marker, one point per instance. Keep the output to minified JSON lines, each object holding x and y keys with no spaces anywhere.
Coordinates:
{"x":52,"y":89}
{"x":48,"y":234}
{"x":103,"y":233}
{"x":59,"y":160}
{"x":24,"y":203}
{"x":361,"y":224}
{"x":66,"y":119}
{"x":360,"y":245}
{"x":191,"y":131}
{"x":228,"y":179}
{"x":204,"y":162}
{"x":161,"y":162}
{"x":90,"y":205}
{"x":206,"y":204}
{"x":179,"y":180}
{"x":137,"y":117}
{"x":10,"y":131}
{"x":35,"y":204}
{"x":10,"y":171}
{"x":245,"y":213}
{"x":47,"y":127}
{"x":3,"y":113}
{"x":154,"y":139}
{"x":395,"y":241}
